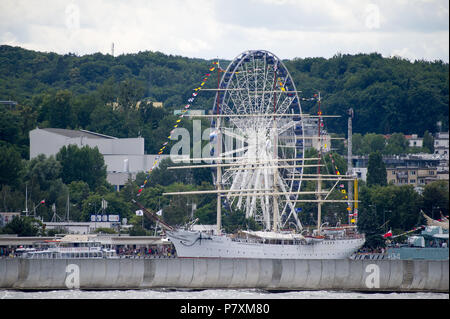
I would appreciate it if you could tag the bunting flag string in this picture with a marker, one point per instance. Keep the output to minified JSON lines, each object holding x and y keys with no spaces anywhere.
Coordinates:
{"x":389,"y":233}
{"x":413,"y":230}
{"x":352,"y":215}
{"x":177,"y":122}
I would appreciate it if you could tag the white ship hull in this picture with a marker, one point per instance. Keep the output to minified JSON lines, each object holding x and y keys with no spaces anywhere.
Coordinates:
{"x":193,"y":244}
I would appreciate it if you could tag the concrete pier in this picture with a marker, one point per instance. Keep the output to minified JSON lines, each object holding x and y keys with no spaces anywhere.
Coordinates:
{"x":270,"y":274}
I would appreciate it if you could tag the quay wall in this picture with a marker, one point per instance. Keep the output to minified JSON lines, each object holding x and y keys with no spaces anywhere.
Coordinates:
{"x":193,"y":273}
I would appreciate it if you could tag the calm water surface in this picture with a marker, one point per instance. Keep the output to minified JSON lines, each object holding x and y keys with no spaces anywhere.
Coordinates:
{"x":210,"y":294}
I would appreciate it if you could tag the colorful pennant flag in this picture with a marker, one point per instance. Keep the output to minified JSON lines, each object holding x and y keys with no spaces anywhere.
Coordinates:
{"x":186,"y":107}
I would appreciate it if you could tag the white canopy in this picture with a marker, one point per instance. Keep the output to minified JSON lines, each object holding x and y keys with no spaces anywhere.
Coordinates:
{"x":274,"y":235}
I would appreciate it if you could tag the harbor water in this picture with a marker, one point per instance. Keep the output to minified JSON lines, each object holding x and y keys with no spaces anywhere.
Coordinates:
{"x":211,"y":294}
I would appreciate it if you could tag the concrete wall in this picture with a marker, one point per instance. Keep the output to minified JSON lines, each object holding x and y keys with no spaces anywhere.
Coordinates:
{"x":345,"y":274}
{"x":113,"y":146}
{"x":49,"y":143}
{"x":136,"y":163}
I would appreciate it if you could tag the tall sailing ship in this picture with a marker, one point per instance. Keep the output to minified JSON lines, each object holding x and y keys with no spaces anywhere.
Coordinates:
{"x":257,"y":153}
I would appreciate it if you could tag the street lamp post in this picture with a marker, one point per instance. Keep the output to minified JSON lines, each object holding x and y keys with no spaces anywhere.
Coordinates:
{"x":35,"y":207}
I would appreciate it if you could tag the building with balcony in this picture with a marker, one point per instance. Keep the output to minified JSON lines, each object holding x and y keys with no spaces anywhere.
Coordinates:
{"x":441,"y":146}
{"x":411,"y":175}
{"x":414,"y":169}
{"x":414,"y":140}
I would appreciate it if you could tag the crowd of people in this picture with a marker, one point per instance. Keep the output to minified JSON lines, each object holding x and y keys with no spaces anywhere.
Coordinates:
{"x":122,"y":252}
{"x":144,"y":252}
{"x":6,"y":252}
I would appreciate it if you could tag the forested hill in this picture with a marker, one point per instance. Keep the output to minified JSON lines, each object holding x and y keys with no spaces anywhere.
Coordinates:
{"x":25,"y":73}
{"x":388,"y":94}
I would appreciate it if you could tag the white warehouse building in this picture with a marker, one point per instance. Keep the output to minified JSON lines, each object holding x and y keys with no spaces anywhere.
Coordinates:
{"x":124,"y":157}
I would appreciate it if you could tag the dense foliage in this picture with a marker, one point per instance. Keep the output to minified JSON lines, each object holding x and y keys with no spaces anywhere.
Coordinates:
{"x":388,"y":95}
{"x":376,"y":170}
{"x":99,"y":92}
{"x":116,"y":95}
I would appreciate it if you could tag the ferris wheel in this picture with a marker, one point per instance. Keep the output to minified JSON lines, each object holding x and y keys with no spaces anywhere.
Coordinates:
{"x":258,"y":134}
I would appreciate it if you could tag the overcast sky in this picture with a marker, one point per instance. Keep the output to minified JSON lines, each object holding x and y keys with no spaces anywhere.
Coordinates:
{"x":413,"y":29}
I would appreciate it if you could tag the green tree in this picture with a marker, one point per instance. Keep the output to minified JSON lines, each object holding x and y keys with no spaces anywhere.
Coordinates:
{"x":105,"y":120}
{"x":376,"y":170}
{"x":11,"y":199}
{"x":396,"y":144}
{"x":91,"y":206}
{"x":436,"y":199}
{"x":207,"y":213}
{"x":82,"y":164}
{"x":368,"y":143}
{"x":22,"y":226}
{"x":130,"y":92}
{"x":10,"y":124}
{"x":56,"y":108}
{"x":389,"y":207}
{"x":42,"y":171}
{"x":368,"y":225}
{"x":78,"y":192}
{"x":373,"y":143}
{"x":178,"y":211}
{"x":357,"y":144}
{"x":10,"y":166}
{"x":428,"y":142}
{"x":117,"y":205}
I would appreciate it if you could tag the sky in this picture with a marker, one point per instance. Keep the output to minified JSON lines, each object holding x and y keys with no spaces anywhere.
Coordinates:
{"x":209,"y":29}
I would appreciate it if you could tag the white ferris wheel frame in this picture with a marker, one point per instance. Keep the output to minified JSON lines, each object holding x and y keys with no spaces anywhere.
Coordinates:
{"x":257,"y":104}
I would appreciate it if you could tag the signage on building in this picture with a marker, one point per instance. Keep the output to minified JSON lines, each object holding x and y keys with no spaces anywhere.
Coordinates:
{"x":113,"y":218}
{"x":105,"y":218}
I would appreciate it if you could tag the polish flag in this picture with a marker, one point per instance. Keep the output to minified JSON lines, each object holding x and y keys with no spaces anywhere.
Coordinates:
{"x":43,"y":201}
{"x":388,"y":234}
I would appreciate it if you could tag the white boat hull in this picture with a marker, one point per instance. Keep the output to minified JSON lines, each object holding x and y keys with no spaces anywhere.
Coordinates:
{"x":192,"y":244}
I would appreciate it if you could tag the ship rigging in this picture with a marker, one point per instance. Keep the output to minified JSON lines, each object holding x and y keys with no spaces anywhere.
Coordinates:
{"x":262,"y":170}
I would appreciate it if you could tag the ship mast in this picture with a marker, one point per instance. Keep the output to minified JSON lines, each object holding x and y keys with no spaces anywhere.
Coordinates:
{"x":219,"y":151}
{"x":319,"y":181}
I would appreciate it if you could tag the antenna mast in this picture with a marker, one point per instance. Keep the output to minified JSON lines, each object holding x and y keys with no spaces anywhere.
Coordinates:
{"x":350,"y":164}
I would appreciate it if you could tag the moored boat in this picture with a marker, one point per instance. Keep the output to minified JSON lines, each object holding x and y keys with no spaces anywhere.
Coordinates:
{"x":70,"y":246}
{"x":264,"y":245}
